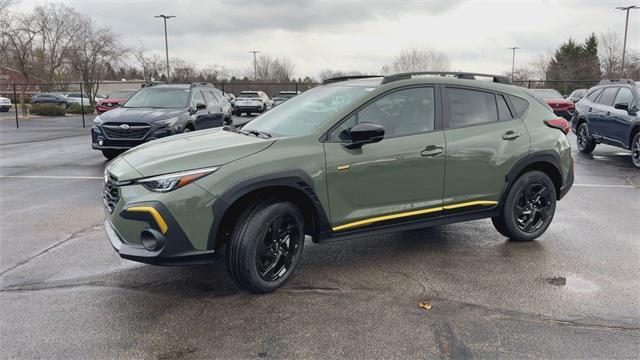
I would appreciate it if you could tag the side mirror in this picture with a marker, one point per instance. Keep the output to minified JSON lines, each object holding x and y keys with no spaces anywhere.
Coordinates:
{"x":622,"y":106}
{"x":365,"y":133}
{"x":201,"y":106}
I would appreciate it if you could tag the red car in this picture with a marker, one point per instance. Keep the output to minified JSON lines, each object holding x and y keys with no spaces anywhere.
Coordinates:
{"x":560,"y":106}
{"x":114,"y":100}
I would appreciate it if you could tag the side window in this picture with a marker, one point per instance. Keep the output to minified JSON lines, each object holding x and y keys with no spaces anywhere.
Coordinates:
{"x":404,"y":112}
{"x":504,"y":113}
{"x":594,"y":95}
{"x":519,"y":104}
{"x":607,"y":96}
{"x":197,"y":98}
{"x":624,"y":96}
{"x":208,"y":97}
{"x":471,"y":107}
{"x":341,"y":133}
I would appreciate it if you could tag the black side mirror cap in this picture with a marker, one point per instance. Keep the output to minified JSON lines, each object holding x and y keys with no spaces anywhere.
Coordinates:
{"x":200,"y":106}
{"x":365,"y":133}
{"x":621,"y":106}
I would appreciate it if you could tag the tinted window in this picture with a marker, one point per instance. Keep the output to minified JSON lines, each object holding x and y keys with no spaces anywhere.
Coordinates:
{"x":520,"y":105}
{"x":341,"y":133}
{"x":403,"y":112}
{"x":607,"y":96}
{"x":548,"y":94}
{"x":208,"y":97}
{"x":594,"y":95}
{"x":503,"y":110}
{"x":471,"y":107}
{"x":197,"y":99}
{"x":624,"y":96}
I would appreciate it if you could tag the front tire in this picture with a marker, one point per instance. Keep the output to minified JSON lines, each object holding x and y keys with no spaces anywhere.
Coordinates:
{"x":635,"y":150}
{"x":586,"y":144}
{"x":529,"y":207}
{"x":266,"y":246}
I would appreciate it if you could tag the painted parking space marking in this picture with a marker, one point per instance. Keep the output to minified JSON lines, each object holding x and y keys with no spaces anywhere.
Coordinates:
{"x":51,"y":177}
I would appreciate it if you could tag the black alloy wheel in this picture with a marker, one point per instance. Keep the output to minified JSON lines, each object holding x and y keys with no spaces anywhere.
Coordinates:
{"x":635,"y":150}
{"x":532,"y":209}
{"x":585,"y":142}
{"x":278,"y":247}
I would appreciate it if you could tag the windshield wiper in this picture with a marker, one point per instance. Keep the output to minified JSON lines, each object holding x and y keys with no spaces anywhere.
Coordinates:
{"x":257,"y":133}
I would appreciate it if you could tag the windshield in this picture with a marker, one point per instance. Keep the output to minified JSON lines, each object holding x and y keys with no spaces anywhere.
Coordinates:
{"x":121,"y":94}
{"x":249,"y":95}
{"x":548,"y":94}
{"x":161,"y":98}
{"x":307,"y":111}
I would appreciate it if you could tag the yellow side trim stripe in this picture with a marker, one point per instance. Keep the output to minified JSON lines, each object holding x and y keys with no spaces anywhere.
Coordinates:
{"x":412,"y":213}
{"x":154,"y":214}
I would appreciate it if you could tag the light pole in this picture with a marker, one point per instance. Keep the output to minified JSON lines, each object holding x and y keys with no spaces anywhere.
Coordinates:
{"x":166,"y":41}
{"x":513,"y":60}
{"x":626,"y":26}
{"x":255,"y":64}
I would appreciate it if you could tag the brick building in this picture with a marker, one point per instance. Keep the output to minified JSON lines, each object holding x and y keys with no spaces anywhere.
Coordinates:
{"x":9,"y":76}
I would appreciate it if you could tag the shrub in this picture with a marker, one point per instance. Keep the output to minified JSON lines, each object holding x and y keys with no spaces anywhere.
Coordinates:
{"x":47,"y":110}
{"x":77,"y":109}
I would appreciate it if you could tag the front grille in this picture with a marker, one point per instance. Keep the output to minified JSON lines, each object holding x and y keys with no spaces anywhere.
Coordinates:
{"x":111,"y":193}
{"x":130,"y":131}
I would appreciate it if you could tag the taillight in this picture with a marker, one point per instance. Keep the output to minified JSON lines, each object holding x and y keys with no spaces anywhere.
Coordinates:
{"x":560,"y":124}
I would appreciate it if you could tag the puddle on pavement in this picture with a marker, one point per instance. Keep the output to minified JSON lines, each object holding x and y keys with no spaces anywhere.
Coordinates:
{"x":573,"y":283}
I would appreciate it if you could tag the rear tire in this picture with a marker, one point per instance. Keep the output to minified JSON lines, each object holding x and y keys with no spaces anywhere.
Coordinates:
{"x":586,"y":144}
{"x":635,"y":150}
{"x":110,"y":153}
{"x":528,"y":208}
{"x":266,"y":246}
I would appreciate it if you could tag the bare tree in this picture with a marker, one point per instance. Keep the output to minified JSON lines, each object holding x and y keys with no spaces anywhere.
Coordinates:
{"x":183,"y":71}
{"x":59,"y":26}
{"x":151,"y":64}
{"x":21,"y":35}
{"x":538,"y":67}
{"x":93,"y":49}
{"x":421,"y":60}
{"x":610,"y":51}
{"x":215,"y":73}
{"x":272,"y":69}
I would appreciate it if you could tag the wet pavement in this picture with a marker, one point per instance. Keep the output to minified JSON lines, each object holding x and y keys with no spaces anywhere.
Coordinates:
{"x":64,"y":293}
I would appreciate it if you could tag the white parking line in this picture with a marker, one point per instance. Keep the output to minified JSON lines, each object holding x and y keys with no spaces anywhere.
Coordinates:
{"x":605,"y":186}
{"x":51,"y":177}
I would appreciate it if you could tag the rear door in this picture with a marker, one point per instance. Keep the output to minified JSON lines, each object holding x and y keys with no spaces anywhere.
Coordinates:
{"x":599,"y":121}
{"x":620,"y":120}
{"x":485,"y":137}
{"x":399,"y":178}
{"x":200,"y":117}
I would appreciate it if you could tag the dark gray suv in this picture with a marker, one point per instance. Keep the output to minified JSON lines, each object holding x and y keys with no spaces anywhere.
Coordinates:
{"x":157,"y":111}
{"x":47,"y":98}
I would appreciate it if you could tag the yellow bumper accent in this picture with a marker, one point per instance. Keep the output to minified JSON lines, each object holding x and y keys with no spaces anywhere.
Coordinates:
{"x":413,"y":213}
{"x":154,"y":213}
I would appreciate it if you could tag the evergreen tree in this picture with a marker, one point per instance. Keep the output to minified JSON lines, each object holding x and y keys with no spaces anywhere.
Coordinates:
{"x":574,"y":61}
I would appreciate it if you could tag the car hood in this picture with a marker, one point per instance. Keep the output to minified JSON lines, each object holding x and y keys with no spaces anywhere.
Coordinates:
{"x":195,"y":150}
{"x":141,"y":115}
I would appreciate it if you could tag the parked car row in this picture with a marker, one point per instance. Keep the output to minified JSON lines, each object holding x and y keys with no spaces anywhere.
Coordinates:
{"x":5,"y":104}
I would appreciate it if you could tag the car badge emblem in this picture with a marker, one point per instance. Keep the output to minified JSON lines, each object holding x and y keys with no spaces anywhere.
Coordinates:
{"x":124,"y":127}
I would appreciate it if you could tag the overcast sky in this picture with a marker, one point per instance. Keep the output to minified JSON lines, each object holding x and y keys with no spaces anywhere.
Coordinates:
{"x":358,"y":35}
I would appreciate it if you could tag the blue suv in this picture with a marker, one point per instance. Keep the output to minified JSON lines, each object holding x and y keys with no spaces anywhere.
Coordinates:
{"x":609,"y":114}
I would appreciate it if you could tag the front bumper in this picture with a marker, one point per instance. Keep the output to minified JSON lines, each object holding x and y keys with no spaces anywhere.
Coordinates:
{"x":100,"y":141}
{"x":176,"y":249}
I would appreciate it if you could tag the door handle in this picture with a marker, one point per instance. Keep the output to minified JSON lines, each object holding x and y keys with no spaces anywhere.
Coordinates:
{"x":510,"y":135}
{"x":608,"y":113}
{"x":431,"y":150}
{"x":590,"y":109}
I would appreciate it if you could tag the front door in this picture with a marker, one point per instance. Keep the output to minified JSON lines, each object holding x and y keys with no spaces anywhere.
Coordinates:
{"x":484,"y":138}
{"x":397,"y":179}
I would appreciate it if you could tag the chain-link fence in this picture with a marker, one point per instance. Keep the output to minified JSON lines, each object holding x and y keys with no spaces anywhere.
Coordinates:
{"x":74,"y":100}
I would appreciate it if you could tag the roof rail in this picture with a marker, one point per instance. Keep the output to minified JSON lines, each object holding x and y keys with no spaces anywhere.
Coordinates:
{"x":201,"y":83}
{"x":348,"y":77}
{"x":613,"y":81}
{"x":458,"y":75}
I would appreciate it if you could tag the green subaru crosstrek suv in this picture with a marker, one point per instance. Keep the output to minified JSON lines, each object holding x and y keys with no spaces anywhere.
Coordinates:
{"x":349,"y":158}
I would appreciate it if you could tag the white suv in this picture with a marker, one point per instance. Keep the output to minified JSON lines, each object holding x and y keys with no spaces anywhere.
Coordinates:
{"x":5,"y":104}
{"x":252,"y":102}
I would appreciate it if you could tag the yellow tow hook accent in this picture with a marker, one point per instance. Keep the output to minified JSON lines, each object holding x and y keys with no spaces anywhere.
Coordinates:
{"x":154,"y":214}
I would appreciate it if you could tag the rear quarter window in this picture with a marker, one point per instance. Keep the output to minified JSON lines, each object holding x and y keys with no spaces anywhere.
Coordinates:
{"x":520,"y":105}
{"x":594,"y":95}
{"x":607,"y":96}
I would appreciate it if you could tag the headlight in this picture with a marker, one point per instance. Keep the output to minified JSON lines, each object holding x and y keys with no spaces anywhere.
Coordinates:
{"x":167,"y":122}
{"x":169,"y":182}
{"x":97,"y":120}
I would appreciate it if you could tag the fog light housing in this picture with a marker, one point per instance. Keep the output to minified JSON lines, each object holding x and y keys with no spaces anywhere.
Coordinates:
{"x":152,"y":240}
{"x":100,"y":142}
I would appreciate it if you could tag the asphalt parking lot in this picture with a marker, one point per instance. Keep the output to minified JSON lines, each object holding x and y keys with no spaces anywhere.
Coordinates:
{"x":64,"y":293}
